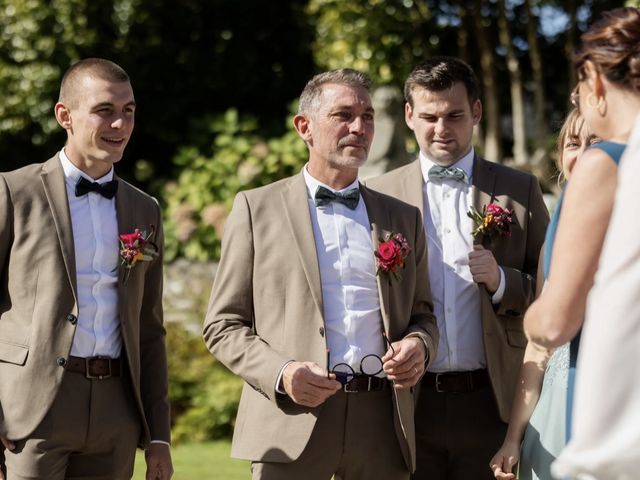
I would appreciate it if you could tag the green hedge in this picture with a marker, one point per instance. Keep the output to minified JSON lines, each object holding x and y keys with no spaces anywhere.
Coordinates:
{"x":238,"y":158}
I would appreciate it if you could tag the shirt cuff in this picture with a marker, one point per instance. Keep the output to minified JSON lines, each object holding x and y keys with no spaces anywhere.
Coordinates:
{"x":279,"y":388}
{"x":161,"y":441}
{"x":497,"y":296}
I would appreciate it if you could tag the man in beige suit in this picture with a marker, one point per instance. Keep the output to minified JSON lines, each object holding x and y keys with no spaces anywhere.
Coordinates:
{"x":83,"y":373}
{"x":298,"y":311}
{"x":481,"y":287}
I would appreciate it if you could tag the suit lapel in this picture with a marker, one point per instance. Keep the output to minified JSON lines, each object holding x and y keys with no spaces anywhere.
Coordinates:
{"x":483,"y":186}
{"x":124,"y":212}
{"x":295,"y":205}
{"x":55,"y":189}
{"x":378,"y":217}
{"x":412,"y":184}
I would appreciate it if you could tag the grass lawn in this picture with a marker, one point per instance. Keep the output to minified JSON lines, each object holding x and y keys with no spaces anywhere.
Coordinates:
{"x":201,"y":461}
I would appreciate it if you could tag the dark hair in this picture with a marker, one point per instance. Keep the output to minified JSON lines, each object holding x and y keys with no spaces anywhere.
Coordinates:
{"x":342,"y":76}
{"x":440,"y":73}
{"x":97,"y":67}
{"x":613,"y":45}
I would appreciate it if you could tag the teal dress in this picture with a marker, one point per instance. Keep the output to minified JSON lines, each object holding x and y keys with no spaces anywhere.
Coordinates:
{"x":550,"y":424}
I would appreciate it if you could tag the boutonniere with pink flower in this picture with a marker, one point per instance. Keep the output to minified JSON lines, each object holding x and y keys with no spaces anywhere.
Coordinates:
{"x":136,"y":247}
{"x":392,"y":252}
{"x":492,"y":220}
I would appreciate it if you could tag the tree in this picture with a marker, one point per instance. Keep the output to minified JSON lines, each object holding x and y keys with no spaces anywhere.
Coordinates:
{"x":517,"y":97}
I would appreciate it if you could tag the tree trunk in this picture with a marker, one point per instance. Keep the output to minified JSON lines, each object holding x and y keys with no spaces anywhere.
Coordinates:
{"x":541,"y":131}
{"x":515,"y":77}
{"x":570,"y":44}
{"x":492,"y":142}
{"x":463,"y":53}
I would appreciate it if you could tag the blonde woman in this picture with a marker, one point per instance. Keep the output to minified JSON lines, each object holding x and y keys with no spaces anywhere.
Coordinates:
{"x":539,"y":407}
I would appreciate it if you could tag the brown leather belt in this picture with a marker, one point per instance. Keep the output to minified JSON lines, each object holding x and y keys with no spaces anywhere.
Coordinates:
{"x":456,"y":382}
{"x":364,"y":383}
{"x":98,"y":368}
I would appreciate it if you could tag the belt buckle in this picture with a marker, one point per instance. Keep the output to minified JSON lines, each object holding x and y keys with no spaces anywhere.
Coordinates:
{"x":439,"y":387}
{"x":346,"y":387}
{"x":87,"y":362}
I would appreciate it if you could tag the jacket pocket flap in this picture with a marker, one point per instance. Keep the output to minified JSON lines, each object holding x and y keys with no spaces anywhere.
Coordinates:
{"x":13,"y":353}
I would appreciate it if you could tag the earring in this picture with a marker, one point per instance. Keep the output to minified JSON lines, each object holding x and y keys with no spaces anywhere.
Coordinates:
{"x":590,"y":103}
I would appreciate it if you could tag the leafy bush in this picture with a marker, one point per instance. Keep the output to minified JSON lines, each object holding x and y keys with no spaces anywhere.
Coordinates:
{"x":239,"y":159}
{"x":204,"y":394}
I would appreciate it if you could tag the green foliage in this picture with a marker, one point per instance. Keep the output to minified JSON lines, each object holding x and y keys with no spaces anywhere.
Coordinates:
{"x":33,"y":32}
{"x":237,"y":159}
{"x":204,"y":394}
{"x":385,"y":38}
{"x":201,"y":461}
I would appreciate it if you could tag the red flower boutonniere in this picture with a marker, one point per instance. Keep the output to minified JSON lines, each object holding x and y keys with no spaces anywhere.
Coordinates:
{"x":136,"y":247}
{"x":493,"y":220}
{"x":392,"y":251}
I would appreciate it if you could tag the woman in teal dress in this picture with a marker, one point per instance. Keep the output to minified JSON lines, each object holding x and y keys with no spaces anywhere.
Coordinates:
{"x":544,"y":427}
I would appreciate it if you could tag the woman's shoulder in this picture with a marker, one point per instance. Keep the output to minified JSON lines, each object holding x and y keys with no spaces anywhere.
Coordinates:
{"x":613,"y":150}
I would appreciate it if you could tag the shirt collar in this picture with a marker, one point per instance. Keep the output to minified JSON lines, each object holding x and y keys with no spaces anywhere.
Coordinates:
{"x":72,"y":173}
{"x":313,"y":184}
{"x":465,"y":163}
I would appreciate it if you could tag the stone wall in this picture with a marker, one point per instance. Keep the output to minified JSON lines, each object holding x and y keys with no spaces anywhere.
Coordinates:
{"x":187,"y":287}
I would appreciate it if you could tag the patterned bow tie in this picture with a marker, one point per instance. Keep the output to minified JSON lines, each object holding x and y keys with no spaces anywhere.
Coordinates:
{"x":438,"y":174}
{"x":106,"y":189}
{"x":325,"y":196}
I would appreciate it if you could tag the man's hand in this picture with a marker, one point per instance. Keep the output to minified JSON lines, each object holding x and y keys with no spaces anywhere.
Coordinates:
{"x":406,"y":365}
{"x":307,"y":384}
{"x":9,"y":445}
{"x":158,"y":458}
{"x":484,"y":268}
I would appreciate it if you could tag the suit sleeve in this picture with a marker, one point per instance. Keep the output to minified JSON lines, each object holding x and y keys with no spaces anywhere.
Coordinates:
{"x":520,"y":285}
{"x":229,"y":330}
{"x":6,"y":218}
{"x":423,"y":321}
{"x":153,"y":355}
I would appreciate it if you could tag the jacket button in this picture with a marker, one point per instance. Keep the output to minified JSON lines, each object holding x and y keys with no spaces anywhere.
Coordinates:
{"x":321,"y":330}
{"x":72,"y":319}
{"x":62,"y":362}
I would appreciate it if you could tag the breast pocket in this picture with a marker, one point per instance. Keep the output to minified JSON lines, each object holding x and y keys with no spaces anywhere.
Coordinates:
{"x":13,"y":352}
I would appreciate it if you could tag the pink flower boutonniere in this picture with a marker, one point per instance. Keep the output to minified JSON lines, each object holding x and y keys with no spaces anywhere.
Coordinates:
{"x":136,"y":247}
{"x":392,"y":251}
{"x":493,"y":220}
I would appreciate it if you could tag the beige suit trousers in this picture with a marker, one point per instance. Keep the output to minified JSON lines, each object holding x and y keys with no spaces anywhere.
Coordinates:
{"x":90,"y":433}
{"x":353,"y":439}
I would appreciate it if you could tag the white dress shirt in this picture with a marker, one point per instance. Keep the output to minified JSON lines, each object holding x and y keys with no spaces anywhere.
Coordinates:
{"x":96,"y":244}
{"x":456,"y":298}
{"x":350,"y":296}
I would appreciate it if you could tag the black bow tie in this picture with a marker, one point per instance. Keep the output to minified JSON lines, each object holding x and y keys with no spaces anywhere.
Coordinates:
{"x":106,"y":189}
{"x":325,"y":196}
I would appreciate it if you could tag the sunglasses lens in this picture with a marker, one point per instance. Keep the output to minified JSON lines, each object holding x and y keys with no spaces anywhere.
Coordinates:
{"x":343,"y":372}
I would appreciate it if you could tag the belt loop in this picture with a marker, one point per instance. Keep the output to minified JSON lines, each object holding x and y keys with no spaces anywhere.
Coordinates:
{"x":439,"y":388}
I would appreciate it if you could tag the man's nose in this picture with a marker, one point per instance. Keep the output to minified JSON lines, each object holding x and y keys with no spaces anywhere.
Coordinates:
{"x":357,"y":126}
{"x":440,"y":126}
{"x":118,"y":122}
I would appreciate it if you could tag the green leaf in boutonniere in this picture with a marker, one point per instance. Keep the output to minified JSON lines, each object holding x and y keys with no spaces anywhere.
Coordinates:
{"x":492,"y":220}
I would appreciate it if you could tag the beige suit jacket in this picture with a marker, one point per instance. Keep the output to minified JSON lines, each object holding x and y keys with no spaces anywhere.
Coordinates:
{"x":266,"y":309}
{"x":38,"y":301}
{"x":504,"y":339}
